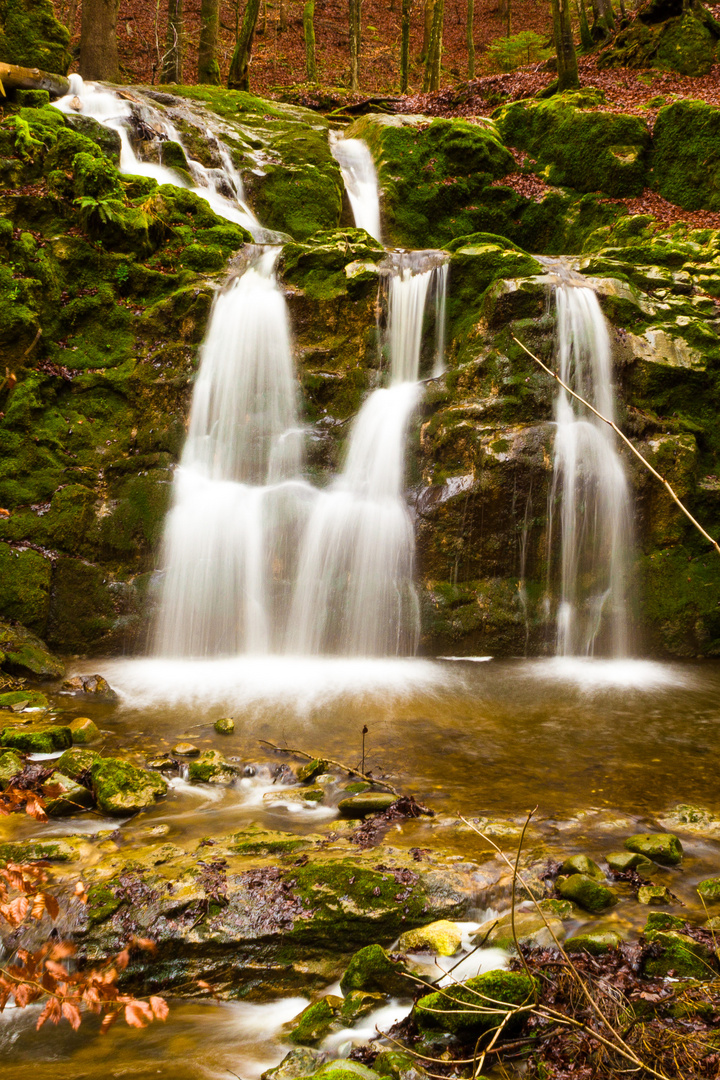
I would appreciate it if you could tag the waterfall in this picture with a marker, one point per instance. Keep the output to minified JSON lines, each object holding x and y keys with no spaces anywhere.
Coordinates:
{"x":358,"y":173}
{"x":238,"y":502}
{"x":589,"y":480}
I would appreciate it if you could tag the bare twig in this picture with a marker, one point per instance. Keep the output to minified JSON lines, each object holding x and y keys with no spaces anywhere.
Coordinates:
{"x":625,"y":439}
{"x":338,"y":765}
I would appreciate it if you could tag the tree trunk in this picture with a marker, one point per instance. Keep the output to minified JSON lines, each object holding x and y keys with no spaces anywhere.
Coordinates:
{"x":98,"y":40}
{"x":172,"y":60}
{"x":564,"y":46}
{"x":427,"y":29}
{"x":21,"y":78}
{"x":309,"y":30}
{"x":208,"y":67}
{"x":585,"y":35}
{"x":434,"y":56}
{"x":283,"y":16}
{"x":354,"y":10}
{"x":603,"y":19}
{"x":471,"y":38}
{"x":405,"y":45}
{"x":239,"y":77}
{"x":505,"y":9}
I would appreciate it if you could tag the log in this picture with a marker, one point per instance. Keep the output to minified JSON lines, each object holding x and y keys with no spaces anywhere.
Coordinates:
{"x":21,"y":78}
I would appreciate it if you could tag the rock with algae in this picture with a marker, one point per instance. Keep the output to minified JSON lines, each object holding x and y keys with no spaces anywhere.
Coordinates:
{"x":453,"y":1011}
{"x":121,"y":788}
{"x":442,"y":937}
{"x":663,"y":848}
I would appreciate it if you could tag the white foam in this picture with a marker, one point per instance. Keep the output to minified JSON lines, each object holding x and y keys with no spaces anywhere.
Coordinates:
{"x":594,"y":674}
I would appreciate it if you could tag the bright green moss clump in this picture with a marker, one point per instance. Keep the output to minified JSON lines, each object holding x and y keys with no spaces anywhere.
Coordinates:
{"x":45,"y":741}
{"x":577,"y":147}
{"x":451,"y":1010}
{"x":120,"y":788}
{"x":686,"y":155}
{"x":31,"y":36}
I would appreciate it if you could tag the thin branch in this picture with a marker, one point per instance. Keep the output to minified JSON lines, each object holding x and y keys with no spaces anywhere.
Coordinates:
{"x":338,"y":765}
{"x":625,"y":439}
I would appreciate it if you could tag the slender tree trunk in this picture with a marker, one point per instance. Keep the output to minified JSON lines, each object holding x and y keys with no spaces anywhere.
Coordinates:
{"x":471,"y":38}
{"x":283,"y":16}
{"x":405,"y":45}
{"x":508,"y":22}
{"x":309,"y":30}
{"x":603,"y":19}
{"x":564,"y":46}
{"x":70,"y":17}
{"x":354,"y":10}
{"x":172,"y":60}
{"x":434,"y":56}
{"x":98,"y":40}
{"x":427,"y":28}
{"x":585,"y":35}
{"x":208,"y":67}
{"x":239,"y":77}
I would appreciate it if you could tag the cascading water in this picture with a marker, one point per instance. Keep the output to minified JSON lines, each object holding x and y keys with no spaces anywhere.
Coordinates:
{"x":589,"y":481}
{"x":358,"y":172}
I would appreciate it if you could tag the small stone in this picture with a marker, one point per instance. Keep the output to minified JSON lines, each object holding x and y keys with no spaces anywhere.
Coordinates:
{"x":581,"y":864}
{"x":709,"y":889}
{"x":64,"y":796}
{"x":359,"y":1003}
{"x":186,"y":749}
{"x":622,"y":861}
{"x":311,"y":769}
{"x":83,"y":730}
{"x":654,"y":894}
{"x":10,"y":765}
{"x":442,"y":937}
{"x":595,"y":944}
{"x":373,"y":802}
{"x":163,"y":762}
{"x":225,"y":725}
{"x":212,"y":768}
{"x":663,"y":848}
{"x":589,"y":894}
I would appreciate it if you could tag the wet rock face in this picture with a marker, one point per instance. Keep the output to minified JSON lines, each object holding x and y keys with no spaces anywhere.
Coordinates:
{"x":31,"y":36}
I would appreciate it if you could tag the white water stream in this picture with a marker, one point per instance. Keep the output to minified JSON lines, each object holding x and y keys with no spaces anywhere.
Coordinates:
{"x":358,"y":171}
{"x":589,"y":481}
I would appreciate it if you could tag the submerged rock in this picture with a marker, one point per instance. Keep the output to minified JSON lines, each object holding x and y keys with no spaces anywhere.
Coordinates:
{"x":654,"y":894}
{"x":582,"y":864}
{"x":453,"y":1011}
{"x":225,"y":725}
{"x":442,"y":937}
{"x":372,"y":969}
{"x":663,"y":848}
{"x":371,"y":802}
{"x":84,"y":730}
{"x":622,"y":861}
{"x":120,"y":788}
{"x":587,"y":892}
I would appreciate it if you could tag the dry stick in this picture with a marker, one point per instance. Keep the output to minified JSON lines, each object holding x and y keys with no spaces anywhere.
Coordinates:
{"x":622,"y":1049}
{"x":330,"y":761}
{"x":625,"y":439}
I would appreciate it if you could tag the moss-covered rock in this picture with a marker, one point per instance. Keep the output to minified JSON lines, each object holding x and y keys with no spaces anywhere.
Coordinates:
{"x":531,"y":928}
{"x":84,"y":730}
{"x":11,"y":764}
{"x":680,"y":955}
{"x":587,"y":892}
{"x":17,"y":700}
{"x":686,"y":155}
{"x":709,"y":889}
{"x":577,"y":146}
{"x":358,"y":1003}
{"x":582,"y":864}
{"x":672,"y":36}
{"x":40,"y":741}
{"x":24,"y":586}
{"x":372,"y":969}
{"x":301,"y":1061}
{"x":654,"y":894}
{"x":120,"y":788}
{"x":63,"y":796}
{"x":255,"y":840}
{"x":212,"y":768}
{"x":225,"y":725}
{"x":23,"y":653}
{"x":452,"y":1010}
{"x":315,"y":1022}
{"x":661,"y":920}
{"x":398,"y":1065}
{"x":621,"y":861}
{"x":77,"y":763}
{"x":39,"y":851}
{"x":311,"y":769}
{"x":368,"y":802}
{"x":593,"y":943}
{"x":663,"y":848}
{"x":442,"y":937}
{"x":31,"y":36}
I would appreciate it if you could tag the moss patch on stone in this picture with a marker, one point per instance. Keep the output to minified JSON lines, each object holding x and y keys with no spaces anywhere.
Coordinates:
{"x":452,"y":1010}
{"x":120,"y":788}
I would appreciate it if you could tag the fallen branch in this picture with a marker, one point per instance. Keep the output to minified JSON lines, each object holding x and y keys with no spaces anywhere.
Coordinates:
{"x":338,"y":765}
{"x":625,"y":439}
{"x":13,"y":77}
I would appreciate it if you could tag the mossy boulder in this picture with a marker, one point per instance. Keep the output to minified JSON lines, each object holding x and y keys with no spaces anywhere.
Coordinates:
{"x":663,"y":848}
{"x":680,"y":955}
{"x":433,"y":175}
{"x":582,"y":864}
{"x":23,"y":653}
{"x":442,"y":937}
{"x":372,"y":969}
{"x":577,"y":146}
{"x":686,"y":155}
{"x":11,"y":764}
{"x":315,"y":1022}
{"x":17,"y":700}
{"x":452,"y":1010}
{"x":587,"y":892}
{"x":31,"y":36}
{"x":300,"y":191}
{"x":39,"y":741}
{"x":709,"y":889}
{"x":622,"y":861}
{"x":121,"y":789}
{"x":593,"y":943}
{"x":64,"y":796}
{"x":212,"y":768}
{"x":368,"y":802}
{"x":671,"y":35}
{"x":84,"y":730}
{"x":77,"y":763}
{"x":661,"y":920}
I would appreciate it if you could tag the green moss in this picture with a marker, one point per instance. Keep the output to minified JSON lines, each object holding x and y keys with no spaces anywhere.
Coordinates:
{"x":663,"y":848}
{"x":680,"y":955}
{"x":37,"y":851}
{"x":120,"y":788}
{"x":303,"y":193}
{"x":709,"y":889}
{"x":577,"y":147}
{"x":102,"y":902}
{"x":76,"y":763}
{"x":43,"y":741}
{"x":595,"y":944}
{"x":24,"y":586}
{"x":686,"y":155}
{"x":452,"y":1010}
{"x":212,"y":768}
{"x":686,"y":43}
{"x":31,"y":698}
{"x":373,"y":970}
{"x":587,"y":892}
{"x":31,"y":36}
{"x":582,"y":864}
{"x":10,"y":765}
{"x":314,"y":1023}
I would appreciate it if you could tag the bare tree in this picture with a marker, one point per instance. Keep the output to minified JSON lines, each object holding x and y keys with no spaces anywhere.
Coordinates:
{"x":208,"y":67}
{"x":239,"y":76}
{"x":564,"y":46}
{"x":98,"y":40}
{"x":309,"y":31}
{"x":171,"y":71}
{"x":471,"y":38}
{"x":434,"y":56}
{"x":405,"y":45}
{"x":354,"y":12}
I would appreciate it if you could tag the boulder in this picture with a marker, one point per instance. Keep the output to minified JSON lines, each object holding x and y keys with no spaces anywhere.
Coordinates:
{"x":95,"y":685}
{"x":587,"y":892}
{"x":23,"y":653}
{"x":372,"y":969}
{"x":442,"y":937}
{"x":76,"y":763}
{"x":121,"y":789}
{"x":452,"y":1010}
{"x":369,"y":802}
{"x":663,"y":848}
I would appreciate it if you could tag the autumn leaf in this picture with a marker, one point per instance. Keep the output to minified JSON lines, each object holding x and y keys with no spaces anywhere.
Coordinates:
{"x":159,"y":1007}
{"x":138,"y":1014}
{"x":71,"y":1014}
